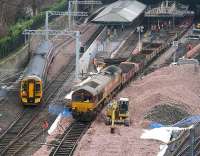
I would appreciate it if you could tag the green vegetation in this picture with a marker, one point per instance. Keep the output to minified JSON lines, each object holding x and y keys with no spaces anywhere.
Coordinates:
{"x":15,"y":38}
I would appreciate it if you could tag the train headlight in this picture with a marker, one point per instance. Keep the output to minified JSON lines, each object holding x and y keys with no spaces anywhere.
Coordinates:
{"x":24,"y":93}
{"x":37,"y":100}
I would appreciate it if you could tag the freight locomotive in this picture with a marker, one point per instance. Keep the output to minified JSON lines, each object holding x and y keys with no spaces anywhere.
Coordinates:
{"x":89,"y":98}
{"x":34,"y":78}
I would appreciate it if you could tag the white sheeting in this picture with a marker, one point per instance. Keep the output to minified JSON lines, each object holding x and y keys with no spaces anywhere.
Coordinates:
{"x":163,"y":149}
{"x":69,"y":96}
{"x":162,"y":134}
{"x":55,"y":124}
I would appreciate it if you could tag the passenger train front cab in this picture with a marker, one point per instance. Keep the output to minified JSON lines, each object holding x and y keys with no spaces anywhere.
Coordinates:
{"x":31,"y":90}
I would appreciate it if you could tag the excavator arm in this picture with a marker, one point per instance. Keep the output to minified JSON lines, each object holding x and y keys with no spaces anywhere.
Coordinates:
{"x":114,"y":108}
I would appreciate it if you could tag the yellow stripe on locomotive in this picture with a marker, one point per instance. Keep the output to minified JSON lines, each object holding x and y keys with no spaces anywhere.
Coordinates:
{"x":31,"y":90}
{"x":82,"y":101}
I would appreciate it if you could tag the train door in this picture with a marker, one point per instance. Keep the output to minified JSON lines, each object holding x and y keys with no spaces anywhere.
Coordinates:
{"x":31,"y":91}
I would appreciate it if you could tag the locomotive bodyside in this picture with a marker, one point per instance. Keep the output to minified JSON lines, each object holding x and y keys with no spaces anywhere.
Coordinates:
{"x":128,"y":71}
{"x":33,"y":81}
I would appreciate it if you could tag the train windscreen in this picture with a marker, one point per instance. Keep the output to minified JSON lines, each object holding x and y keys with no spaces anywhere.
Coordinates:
{"x":82,"y":97}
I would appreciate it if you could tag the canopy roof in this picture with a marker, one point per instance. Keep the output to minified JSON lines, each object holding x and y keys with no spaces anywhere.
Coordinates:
{"x":121,"y":11}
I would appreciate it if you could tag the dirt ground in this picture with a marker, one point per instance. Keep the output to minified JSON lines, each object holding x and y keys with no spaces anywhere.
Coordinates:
{"x":175,"y":86}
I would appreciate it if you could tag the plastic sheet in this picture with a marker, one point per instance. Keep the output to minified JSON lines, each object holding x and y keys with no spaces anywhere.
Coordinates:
{"x":55,"y":124}
{"x":164,"y":134}
{"x":156,"y":125}
{"x":186,"y":122}
{"x":66,"y":112}
{"x":163,"y":149}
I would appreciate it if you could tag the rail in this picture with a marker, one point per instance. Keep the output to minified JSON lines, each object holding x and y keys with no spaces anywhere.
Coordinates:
{"x":15,"y":146}
{"x":71,"y":137}
{"x":26,"y":134}
{"x":73,"y":133}
{"x":17,"y":128}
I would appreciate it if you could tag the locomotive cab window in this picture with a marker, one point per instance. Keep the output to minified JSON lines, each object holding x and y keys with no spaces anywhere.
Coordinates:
{"x":87,"y":98}
{"x":82,"y":97}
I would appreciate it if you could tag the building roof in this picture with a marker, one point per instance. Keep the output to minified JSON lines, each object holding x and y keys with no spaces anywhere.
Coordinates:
{"x":121,"y":11}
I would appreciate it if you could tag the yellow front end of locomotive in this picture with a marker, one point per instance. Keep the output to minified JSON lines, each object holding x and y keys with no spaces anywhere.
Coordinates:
{"x":82,"y":106}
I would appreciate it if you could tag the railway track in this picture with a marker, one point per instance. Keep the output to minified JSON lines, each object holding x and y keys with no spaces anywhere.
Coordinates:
{"x":19,"y":126}
{"x":23,"y":136}
{"x":74,"y":132}
{"x":70,"y":138}
{"x":16,"y":128}
{"x":14,"y":140}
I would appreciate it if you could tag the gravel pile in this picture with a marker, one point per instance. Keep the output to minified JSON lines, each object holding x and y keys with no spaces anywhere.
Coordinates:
{"x":166,"y":114}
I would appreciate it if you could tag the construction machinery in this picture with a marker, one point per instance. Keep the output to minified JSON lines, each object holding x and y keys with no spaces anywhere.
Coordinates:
{"x":117,"y":113}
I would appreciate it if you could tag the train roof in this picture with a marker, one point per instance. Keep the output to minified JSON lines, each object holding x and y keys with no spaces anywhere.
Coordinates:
{"x":38,"y":60}
{"x":96,"y":84}
{"x":99,"y":81}
{"x":111,"y":70}
{"x":120,"y":11}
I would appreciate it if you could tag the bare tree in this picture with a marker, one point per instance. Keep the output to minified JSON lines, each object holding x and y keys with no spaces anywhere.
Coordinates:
{"x":34,"y":7}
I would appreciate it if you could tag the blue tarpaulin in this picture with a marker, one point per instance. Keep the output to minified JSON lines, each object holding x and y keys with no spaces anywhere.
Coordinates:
{"x":155,"y":125}
{"x":186,"y":122}
{"x":57,"y":109}
{"x":66,"y":112}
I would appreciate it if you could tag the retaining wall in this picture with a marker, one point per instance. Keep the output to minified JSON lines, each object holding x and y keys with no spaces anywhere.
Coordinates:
{"x":15,"y":61}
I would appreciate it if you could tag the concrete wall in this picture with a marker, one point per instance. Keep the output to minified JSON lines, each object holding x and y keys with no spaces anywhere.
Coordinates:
{"x":16,"y":61}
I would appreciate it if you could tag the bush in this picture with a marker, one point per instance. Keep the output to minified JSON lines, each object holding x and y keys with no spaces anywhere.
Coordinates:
{"x":15,"y":38}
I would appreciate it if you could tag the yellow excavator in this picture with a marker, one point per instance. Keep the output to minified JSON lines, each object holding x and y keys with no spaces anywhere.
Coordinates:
{"x":117,"y":113}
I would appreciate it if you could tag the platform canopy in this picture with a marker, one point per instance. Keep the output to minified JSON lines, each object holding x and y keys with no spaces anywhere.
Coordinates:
{"x":122,"y":11}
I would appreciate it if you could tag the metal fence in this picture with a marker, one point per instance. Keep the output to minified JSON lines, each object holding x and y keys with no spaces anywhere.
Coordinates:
{"x":188,"y":144}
